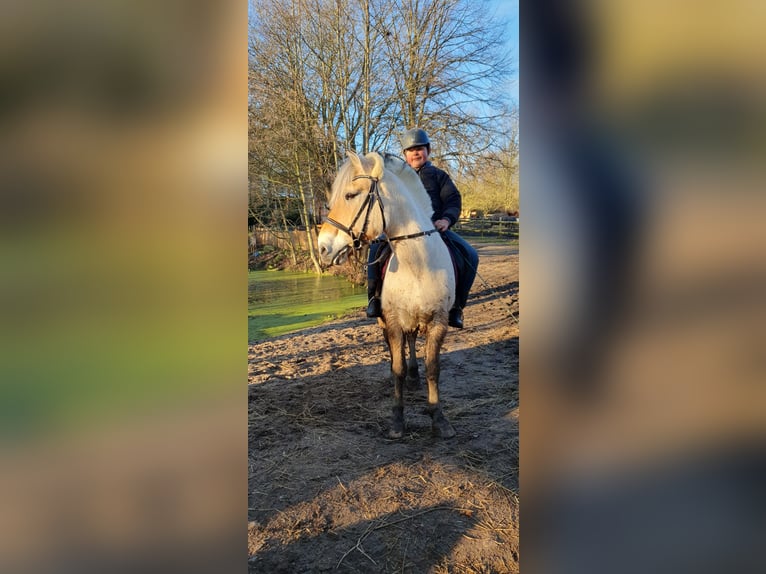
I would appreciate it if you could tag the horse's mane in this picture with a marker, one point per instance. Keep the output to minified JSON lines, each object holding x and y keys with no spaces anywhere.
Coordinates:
{"x":411,"y":179}
{"x":342,"y":181}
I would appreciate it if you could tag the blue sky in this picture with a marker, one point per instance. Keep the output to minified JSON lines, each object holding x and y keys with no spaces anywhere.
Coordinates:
{"x":509,"y":9}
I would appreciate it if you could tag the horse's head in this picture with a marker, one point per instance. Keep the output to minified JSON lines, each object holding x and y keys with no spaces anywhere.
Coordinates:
{"x":356,"y":214}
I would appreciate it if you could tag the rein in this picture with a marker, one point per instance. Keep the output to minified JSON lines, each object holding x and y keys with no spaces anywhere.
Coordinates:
{"x":400,"y":237}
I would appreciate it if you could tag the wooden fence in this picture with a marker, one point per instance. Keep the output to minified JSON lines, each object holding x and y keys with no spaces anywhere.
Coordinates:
{"x":488,"y":227}
{"x":259,"y":237}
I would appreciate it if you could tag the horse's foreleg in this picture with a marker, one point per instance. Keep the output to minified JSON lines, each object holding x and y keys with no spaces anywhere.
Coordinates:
{"x":440,"y":426}
{"x":413,"y":376}
{"x":396,"y":340}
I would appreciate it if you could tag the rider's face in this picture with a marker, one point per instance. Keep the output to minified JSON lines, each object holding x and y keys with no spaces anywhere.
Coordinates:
{"x":416,"y":156}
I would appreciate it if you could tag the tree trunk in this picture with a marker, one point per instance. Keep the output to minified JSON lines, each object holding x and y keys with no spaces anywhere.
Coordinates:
{"x":305,"y":213}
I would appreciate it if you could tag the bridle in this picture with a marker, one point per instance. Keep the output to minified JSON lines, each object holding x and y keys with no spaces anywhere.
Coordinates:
{"x":373,"y":197}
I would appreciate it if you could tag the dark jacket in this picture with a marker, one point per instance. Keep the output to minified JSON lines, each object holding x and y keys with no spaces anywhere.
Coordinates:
{"x":445,"y":198}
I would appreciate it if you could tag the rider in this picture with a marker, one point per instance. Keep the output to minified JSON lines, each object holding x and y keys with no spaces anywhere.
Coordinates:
{"x":446,"y":202}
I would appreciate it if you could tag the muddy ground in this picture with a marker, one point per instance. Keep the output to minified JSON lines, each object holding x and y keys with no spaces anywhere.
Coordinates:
{"x":328,"y":490}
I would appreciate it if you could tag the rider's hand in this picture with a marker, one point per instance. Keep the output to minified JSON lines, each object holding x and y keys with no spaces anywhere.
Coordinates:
{"x":442,"y":224}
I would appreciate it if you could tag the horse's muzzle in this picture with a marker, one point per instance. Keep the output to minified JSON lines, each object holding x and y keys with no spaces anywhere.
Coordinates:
{"x":341,"y":256}
{"x":327,"y":259}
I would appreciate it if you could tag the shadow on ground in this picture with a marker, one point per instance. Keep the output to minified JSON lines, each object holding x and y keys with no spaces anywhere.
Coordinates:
{"x":328,"y":490}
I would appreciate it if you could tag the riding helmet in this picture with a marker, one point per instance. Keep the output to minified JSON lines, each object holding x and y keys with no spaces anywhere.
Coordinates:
{"x":415,"y":137}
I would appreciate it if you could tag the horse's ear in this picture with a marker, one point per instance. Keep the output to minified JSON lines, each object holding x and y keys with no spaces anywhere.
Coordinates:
{"x":356,"y":161}
{"x":377,"y":165}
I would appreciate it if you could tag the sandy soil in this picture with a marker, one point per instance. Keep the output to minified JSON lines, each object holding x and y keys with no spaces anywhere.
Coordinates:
{"x":328,"y":491}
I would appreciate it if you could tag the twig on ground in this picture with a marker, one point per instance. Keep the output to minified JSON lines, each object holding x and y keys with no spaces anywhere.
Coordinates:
{"x":370,"y":529}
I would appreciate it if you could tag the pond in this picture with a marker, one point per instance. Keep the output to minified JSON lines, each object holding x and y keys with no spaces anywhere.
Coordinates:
{"x":282,"y":302}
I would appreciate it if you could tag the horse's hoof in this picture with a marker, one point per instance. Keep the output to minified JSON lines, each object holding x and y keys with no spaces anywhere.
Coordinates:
{"x":397,"y":423}
{"x":442,"y":429}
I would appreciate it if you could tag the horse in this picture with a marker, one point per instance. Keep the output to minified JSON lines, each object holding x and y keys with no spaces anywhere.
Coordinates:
{"x":377,"y":198}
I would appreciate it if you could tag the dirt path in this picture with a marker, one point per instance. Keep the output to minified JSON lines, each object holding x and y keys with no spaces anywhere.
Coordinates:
{"x":328,"y":490}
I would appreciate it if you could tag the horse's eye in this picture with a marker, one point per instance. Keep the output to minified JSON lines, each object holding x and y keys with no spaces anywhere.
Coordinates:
{"x":351,"y":195}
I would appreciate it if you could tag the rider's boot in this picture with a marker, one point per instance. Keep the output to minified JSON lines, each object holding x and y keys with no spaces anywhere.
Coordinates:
{"x":456,"y":317}
{"x":373,"y":296}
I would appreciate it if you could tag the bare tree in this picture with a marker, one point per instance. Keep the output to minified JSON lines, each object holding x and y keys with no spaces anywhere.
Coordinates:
{"x":451,"y":72}
{"x":285,"y":137}
{"x":490,"y":183}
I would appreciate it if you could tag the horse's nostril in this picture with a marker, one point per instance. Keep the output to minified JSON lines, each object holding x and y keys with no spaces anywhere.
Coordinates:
{"x":322,"y":250}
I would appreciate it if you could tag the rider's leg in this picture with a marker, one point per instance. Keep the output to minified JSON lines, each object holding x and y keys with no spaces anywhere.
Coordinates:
{"x":465,"y":279}
{"x":373,"y":282}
